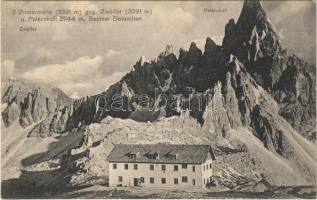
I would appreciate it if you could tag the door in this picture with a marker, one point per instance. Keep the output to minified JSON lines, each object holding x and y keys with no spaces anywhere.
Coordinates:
{"x":135,"y":182}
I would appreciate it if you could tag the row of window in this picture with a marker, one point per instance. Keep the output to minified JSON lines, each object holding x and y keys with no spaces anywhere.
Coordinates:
{"x":163,"y":167}
{"x":208,"y":180}
{"x":163,"y":180}
{"x":152,"y":156}
{"x":205,"y":167}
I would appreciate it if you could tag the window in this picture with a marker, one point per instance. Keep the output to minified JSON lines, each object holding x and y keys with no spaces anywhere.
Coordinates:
{"x":175,"y":167}
{"x":152,"y":167}
{"x":163,"y":167}
{"x":142,"y":179}
{"x":126,"y":166}
{"x":194,"y":182}
{"x":194,"y":168}
{"x":210,"y":165}
{"x":135,"y":166}
{"x":207,"y":167}
{"x":132,"y":156}
{"x":204,"y":181}
{"x":204,"y":167}
{"x":153,"y":156}
{"x":152,"y":180}
{"x":114,"y":166}
{"x":120,"y":178}
{"x":163,"y":180}
{"x":175,"y":181}
{"x":184,"y":166}
{"x":184,"y":179}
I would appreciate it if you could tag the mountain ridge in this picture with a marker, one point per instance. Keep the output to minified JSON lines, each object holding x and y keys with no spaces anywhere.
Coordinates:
{"x":252,"y":41}
{"x":29,"y":102}
{"x":248,"y":98}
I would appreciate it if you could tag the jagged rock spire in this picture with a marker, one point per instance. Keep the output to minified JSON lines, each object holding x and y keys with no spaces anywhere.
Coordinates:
{"x":193,"y":47}
{"x":210,"y":45}
{"x":252,"y":14}
{"x":253,"y":36}
{"x":252,"y":8}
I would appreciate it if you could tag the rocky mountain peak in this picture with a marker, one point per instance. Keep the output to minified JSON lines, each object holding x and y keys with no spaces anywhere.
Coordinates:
{"x":252,"y":8}
{"x":210,"y":45}
{"x":193,"y":48}
{"x":255,"y":43}
{"x":252,"y":14}
{"x":253,"y":36}
{"x":30,"y":103}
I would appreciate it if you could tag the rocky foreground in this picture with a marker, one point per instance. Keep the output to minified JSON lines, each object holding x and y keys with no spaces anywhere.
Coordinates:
{"x":243,"y":165}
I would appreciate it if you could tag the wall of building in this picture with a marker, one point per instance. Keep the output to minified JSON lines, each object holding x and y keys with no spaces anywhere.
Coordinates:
{"x":144,"y":171}
{"x":206,"y":171}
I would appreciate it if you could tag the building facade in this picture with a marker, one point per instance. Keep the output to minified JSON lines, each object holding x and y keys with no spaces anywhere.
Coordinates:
{"x":160,"y":165}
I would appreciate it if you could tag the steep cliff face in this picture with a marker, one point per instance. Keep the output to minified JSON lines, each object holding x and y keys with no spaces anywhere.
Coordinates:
{"x":241,"y":102}
{"x":289,"y":80}
{"x":296,"y":94}
{"x":29,"y":103}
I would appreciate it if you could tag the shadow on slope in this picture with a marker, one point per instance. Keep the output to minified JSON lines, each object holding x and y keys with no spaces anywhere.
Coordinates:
{"x":55,"y":149}
{"x":41,"y":173}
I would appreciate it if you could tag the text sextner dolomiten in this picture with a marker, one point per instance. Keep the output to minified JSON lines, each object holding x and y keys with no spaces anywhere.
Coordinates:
{"x":114,"y":18}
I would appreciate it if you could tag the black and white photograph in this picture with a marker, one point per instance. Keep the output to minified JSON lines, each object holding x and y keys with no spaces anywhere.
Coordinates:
{"x":144,"y":99}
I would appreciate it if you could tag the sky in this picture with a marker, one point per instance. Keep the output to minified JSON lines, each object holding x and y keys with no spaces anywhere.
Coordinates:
{"x":86,"y":58}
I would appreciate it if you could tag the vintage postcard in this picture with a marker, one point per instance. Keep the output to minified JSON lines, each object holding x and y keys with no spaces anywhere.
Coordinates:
{"x":158,"y":99}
